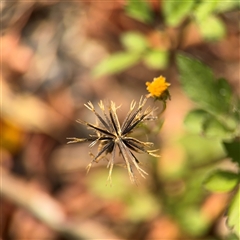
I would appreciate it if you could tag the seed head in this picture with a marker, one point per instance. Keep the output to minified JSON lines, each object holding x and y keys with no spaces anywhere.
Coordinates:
{"x":111,"y":136}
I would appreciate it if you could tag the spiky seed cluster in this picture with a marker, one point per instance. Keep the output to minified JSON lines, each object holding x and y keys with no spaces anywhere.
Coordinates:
{"x":110,"y":135}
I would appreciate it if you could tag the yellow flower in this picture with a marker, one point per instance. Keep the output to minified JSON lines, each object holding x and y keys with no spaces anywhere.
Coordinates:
{"x":157,"y":87}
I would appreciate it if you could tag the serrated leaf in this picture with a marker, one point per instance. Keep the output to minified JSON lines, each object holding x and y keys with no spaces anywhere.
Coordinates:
{"x":234,"y":214}
{"x":195,"y":119}
{"x":175,"y":11}
{"x":134,"y":41}
{"x":226,"y":92}
{"x":116,"y":63}
{"x":233,"y":150}
{"x":204,"y":9}
{"x":139,"y":10}
{"x":221,"y":181}
{"x":199,"y":84}
{"x":156,"y":59}
{"x":212,"y":28}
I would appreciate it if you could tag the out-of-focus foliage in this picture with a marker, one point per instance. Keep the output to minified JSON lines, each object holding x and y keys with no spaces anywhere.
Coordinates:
{"x":117,"y":62}
{"x":221,"y":181}
{"x":139,"y":10}
{"x":217,"y":118}
{"x":139,"y":204}
{"x":212,"y":28}
{"x":176,"y":11}
{"x":233,"y":151}
{"x":181,"y":14}
{"x":233,"y":214}
{"x":214,"y":96}
{"x":137,"y":48}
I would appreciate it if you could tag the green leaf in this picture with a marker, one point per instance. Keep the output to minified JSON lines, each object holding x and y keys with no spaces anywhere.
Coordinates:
{"x":199,"y":84}
{"x":225,"y":90}
{"x":195,"y":119}
{"x":139,"y":10}
{"x":200,"y":150}
{"x":134,"y":41}
{"x":116,"y":63}
{"x":221,"y":181}
{"x":212,"y":28}
{"x":234,"y":214}
{"x":204,"y":9}
{"x":213,"y":128}
{"x":201,"y":122}
{"x":233,"y":150}
{"x":175,"y":11}
{"x":156,"y":59}
{"x":236,"y":108}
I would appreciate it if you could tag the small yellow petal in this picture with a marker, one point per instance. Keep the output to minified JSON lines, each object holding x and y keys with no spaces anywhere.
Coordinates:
{"x":157,"y":86}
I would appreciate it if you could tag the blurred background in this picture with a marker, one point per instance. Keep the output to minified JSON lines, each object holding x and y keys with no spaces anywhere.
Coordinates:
{"x":55,"y":57}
